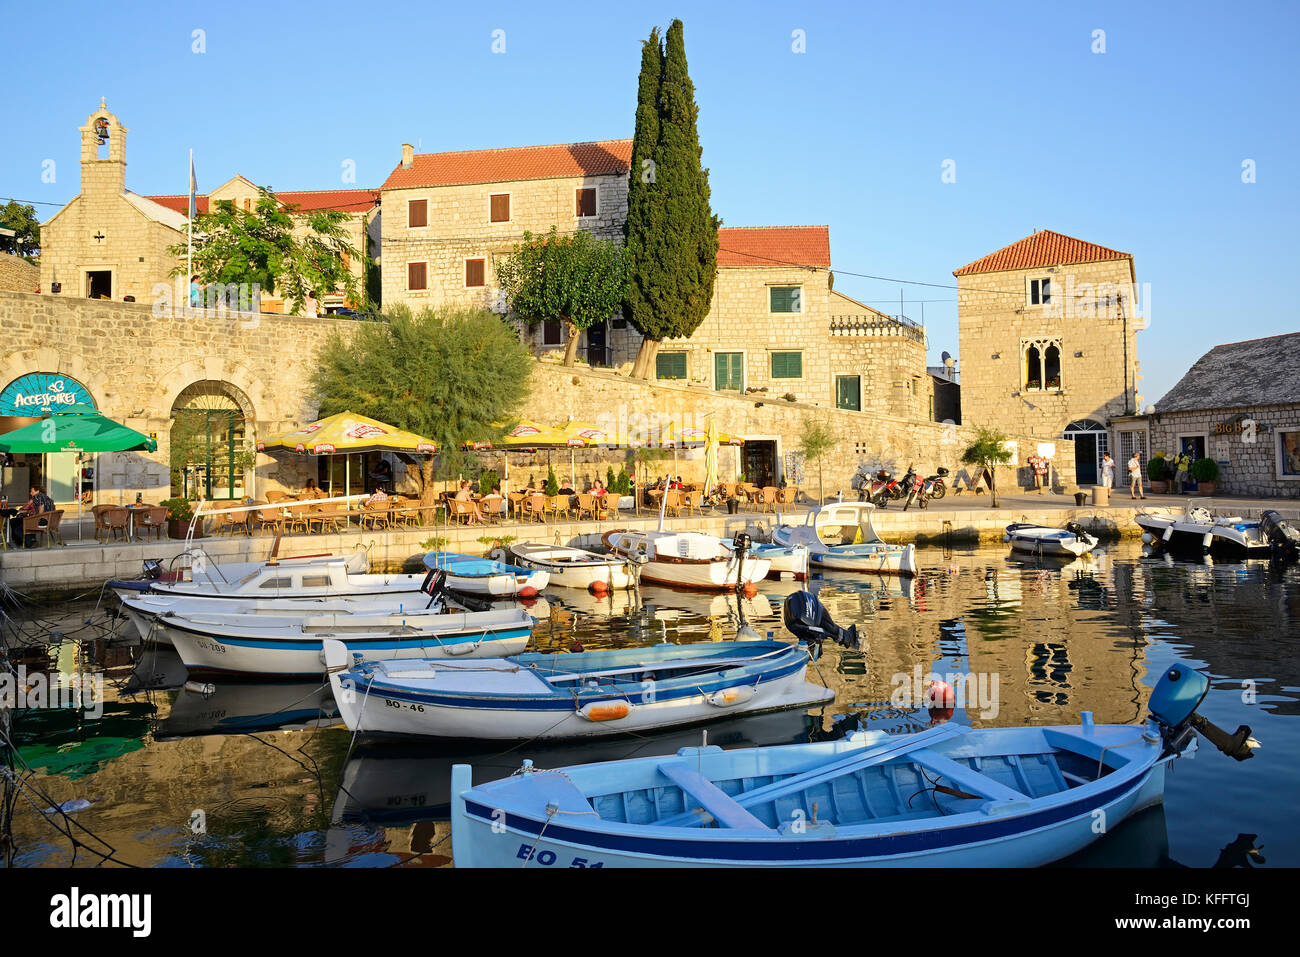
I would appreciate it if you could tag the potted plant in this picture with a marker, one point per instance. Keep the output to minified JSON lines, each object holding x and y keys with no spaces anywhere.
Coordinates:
{"x":1205,"y":472}
{"x":180,"y":512}
{"x":1158,"y":474}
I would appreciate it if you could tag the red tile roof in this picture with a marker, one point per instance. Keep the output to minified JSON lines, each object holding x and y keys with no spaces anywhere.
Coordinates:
{"x":740,"y":246}
{"x":308,"y":200}
{"x":1043,"y":248}
{"x":514,"y":163}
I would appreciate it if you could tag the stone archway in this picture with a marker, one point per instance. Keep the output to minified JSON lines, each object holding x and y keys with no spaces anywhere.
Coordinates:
{"x":210,"y":446}
{"x":1091,"y":441}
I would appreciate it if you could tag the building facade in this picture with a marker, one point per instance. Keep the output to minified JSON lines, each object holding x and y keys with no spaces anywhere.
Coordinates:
{"x":1048,"y":330}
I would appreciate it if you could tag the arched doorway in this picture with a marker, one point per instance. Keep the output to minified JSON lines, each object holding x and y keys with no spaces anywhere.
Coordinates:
{"x":1091,"y":441}
{"x":210,"y":453}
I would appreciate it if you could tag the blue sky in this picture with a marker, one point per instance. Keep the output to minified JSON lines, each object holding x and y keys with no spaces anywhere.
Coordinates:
{"x":1139,"y":148}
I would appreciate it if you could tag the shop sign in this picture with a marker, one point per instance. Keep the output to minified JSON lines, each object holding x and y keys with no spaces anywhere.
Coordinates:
{"x":36,"y":393}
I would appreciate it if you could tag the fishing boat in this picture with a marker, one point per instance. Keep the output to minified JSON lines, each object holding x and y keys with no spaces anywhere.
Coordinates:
{"x":475,"y":575}
{"x":687,"y":559}
{"x":289,"y":644}
{"x":1198,"y":530}
{"x":321,"y":578}
{"x":1068,"y":542}
{"x":588,"y":694}
{"x":570,"y":567}
{"x":947,"y":796}
{"x":840,"y":536}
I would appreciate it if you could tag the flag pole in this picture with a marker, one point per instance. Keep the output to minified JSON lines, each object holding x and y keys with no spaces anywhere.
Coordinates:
{"x":189,"y":238}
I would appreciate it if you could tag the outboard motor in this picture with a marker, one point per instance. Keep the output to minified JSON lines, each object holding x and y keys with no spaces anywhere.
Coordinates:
{"x":740,"y":546}
{"x":1079,"y":532}
{"x":434,"y":584}
{"x":1173,"y":705}
{"x":810,"y":622}
{"x":1283,"y":539}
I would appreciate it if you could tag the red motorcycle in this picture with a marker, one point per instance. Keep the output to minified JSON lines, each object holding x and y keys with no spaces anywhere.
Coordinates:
{"x":916,"y":486}
{"x":880,"y":489}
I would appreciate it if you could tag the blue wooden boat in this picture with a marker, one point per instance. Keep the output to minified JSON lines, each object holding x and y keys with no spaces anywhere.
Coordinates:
{"x":947,"y":796}
{"x":475,"y":575}
{"x":588,"y":694}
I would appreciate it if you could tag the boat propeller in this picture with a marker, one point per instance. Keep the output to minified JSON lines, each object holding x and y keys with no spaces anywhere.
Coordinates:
{"x":1173,"y":705}
{"x":434,"y":584}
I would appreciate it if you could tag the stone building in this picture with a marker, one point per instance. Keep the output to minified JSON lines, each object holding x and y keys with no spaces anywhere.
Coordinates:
{"x":1048,"y":329}
{"x":111,"y":243}
{"x":18,"y":275}
{"x":1239,"y":404}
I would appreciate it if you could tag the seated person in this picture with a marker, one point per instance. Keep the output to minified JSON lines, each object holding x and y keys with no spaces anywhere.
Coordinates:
{"x":379,"y":495}
{"x":309,"y":490}
{"x":36,"y":505}
{"x":597,"y":488}
{"x":463,"y":494}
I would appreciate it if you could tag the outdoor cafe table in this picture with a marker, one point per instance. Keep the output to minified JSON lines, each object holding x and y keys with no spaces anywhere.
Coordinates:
{"x":131,"y":511}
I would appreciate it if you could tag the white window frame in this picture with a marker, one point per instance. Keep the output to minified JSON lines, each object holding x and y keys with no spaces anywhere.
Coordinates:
{"x":1277,"y":455}
{"x":409,"y":264}
{"x":463,"y":269}
{"x":784,"y":285}
{"x":1029,"y":291}
{"x":509,"y":194}
{"x":576,"y":190}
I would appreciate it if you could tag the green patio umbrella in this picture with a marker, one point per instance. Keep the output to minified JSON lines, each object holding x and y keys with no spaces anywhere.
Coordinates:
{"x":79,"y":428}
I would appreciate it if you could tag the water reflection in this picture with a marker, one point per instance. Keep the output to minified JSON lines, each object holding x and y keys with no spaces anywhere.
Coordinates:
{"x":278,"y":781}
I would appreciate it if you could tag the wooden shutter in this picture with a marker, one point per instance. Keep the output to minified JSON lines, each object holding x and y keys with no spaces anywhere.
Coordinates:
{"x":415,"y":276}
{"x":787,"y":365}
{"x":786,"y":299}
{"x":417,"y":213}
{"x":473,"y":272}
{"x":670,"y":365}
{"x":500,"y":208}
{"x":587,"y":202}
{"x":728,"y":371}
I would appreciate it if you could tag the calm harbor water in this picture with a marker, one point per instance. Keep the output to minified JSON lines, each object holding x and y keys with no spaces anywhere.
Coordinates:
{"x":259,"y":774}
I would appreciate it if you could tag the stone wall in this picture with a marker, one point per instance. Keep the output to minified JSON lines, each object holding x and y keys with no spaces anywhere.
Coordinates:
{"x":995,"y":316}
{"x":18,"y":275}
{"x":1254,"y":458}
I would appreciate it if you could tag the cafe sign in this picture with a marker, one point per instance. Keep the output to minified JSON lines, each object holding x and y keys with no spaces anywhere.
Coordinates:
{"x":37,"y":393}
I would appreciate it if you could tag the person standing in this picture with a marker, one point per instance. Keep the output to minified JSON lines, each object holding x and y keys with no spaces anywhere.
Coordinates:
{"x":1135,"y":477}
{"x":1107,"y":471}
{"x":1182,"y":463}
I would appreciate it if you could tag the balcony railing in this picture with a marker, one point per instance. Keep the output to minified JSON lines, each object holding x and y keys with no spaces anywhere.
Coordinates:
{"x":885,"y":326}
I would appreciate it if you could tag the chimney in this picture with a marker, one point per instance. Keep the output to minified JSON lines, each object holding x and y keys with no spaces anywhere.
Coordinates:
{"x":408,"y":155}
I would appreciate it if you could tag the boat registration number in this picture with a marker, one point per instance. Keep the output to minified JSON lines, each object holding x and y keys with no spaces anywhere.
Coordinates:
{"x":207,"y":645}
{"x":546,"y":858}
{"x":404,"y":705}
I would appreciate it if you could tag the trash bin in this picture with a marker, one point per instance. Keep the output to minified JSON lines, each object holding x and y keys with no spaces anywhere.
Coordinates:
{"x":733,"y":506}
{"x":1100,"y":495}
{"x":1081,"y":499}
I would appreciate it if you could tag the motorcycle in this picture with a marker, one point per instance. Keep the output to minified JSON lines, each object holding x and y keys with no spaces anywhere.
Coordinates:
{"x":937,"y":488}
{"x":915,"y":484}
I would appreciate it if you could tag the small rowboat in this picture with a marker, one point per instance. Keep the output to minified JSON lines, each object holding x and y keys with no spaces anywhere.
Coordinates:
{"x":840,"y":536}
{"x":786,"y":562}
{"x":582,"y":695}
{"x":948,"y":796}
{"x":1068,"y":542}
{"x":291,"y":644}
{"x":686,"y":559}
{"x":474,"y":575}
{"x":573,"y":567}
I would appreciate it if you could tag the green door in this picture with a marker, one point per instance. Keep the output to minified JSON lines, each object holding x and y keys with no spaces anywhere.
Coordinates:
{"x":729,"y":371}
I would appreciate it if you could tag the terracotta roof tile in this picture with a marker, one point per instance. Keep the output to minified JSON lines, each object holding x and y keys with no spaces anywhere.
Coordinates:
{"x":1043,"y":248}
{"x":740,"y":246}
{"x":307,"y":200}
{"x":514,"y":163}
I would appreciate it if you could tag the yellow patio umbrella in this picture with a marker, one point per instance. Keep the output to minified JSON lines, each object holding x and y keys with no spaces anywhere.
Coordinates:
{"x":347,"y":433}
{"x":711,"y":458}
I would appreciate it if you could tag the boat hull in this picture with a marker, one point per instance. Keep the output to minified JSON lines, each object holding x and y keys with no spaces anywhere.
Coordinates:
{"x":1228,"y":539}
{"x":707,"y":564}
{"x":584,"y":573}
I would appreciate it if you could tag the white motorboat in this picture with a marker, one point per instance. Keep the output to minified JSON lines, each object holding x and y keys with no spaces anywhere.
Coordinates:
{"x":290,"y":644}
{"x":474,"y":575}
{"x":1070,"y":541}
{"x":788,"y":562}
{"x":686,"y":559}
{"x":1198,"y":530}
{"x":321,"y":578}
{"x":570,"y":567}
{"x":840,"y":536}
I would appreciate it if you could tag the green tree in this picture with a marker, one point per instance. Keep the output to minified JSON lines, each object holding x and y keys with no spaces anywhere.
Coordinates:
{"x":817,"y":442}
{"x":552,"y":483}
{"x":452,"y":374}
{"x":671,"y":232}
{"x":26,"y":241}
{"x":577,"y":279}
{"x":988,"y":451}
{"x":285,"y":253}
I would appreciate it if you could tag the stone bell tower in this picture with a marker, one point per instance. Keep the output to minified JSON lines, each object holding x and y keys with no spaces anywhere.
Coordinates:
{"x":103,"y":154}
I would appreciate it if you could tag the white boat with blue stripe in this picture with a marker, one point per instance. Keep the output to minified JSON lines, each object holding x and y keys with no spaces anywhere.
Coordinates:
{"x":840,"y":536}
{"x":580,"y":695}
{"x":475,"y":575}
{"x":946,"y":796}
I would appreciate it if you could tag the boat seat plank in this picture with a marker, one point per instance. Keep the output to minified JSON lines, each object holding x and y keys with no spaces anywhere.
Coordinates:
{"x":712,"y":798}
{"x":965,"y":777}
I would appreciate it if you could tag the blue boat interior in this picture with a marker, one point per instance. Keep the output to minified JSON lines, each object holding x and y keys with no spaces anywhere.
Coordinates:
{"x":629,"y":673}
{"x":917,"y":784}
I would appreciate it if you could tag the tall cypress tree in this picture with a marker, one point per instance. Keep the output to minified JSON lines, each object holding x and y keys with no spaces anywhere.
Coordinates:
{"x":672,"y":234}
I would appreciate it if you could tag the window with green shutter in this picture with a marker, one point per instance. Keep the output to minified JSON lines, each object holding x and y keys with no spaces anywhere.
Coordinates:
{"x":670,"y":365}
{"x":848,"y":392}
{"x":786,"y":298}
{"x":787,"y":365}
{"x":729,"y":371}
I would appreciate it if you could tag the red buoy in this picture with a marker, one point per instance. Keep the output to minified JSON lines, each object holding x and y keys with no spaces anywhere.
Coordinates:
{"x":528,"y":591}
{"x":598,"y":588}
{"x":939,"y":695}
{"x":750,"y":589}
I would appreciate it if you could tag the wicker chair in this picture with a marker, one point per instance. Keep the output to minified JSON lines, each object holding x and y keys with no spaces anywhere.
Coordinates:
{"x":155,"y":520}
{"x":786,"y":496}
{"x":116,"y":521}
{"x":269,"y":518}
{"x":45,"y":526}
{"x":766,"y":500}
{"x":693,"y":501}
{"x":228,"y":521}
{"x":535,"y":506}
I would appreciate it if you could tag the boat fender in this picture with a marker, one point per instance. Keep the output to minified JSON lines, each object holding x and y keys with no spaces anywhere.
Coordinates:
{"x":750,"y":589}
{"x":598,"y":587}
{"x":1206,"y":540}
{"x":728,"y":697}
{"x":939,"y":694}
{"x":1148,"y":538}
{"x":1169,"y":533}
{"x":605,"y":710}
{"x":200,"y":687}
{"x":528,"y":591}
{"x":460,"y":648}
